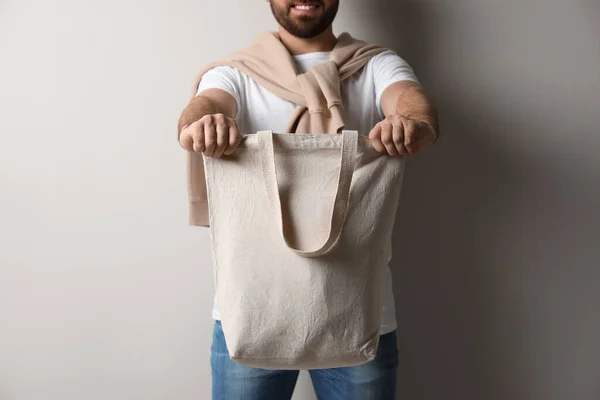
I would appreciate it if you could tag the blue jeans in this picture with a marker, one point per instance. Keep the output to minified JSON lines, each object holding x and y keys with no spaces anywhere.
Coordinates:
{"x":375,"y":380}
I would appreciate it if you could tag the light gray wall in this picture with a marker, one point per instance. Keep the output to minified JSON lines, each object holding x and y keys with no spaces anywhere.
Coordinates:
{"x":106,"y":293}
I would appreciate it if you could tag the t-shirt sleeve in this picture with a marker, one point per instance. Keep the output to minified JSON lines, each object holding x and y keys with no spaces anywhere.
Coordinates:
{"x":224,"y":78}
{"x":389,"y":68}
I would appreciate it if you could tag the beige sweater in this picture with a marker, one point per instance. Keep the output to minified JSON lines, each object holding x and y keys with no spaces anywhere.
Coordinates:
{"x":316,"y":92}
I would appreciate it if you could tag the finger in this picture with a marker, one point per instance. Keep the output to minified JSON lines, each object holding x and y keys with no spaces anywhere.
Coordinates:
{"x":198,"y":137}
{"x":210,"y":137}
{"x":375,"y":138}
{"x":398,"y":135}
{"x":222,"y":138}
{"x":411,"y":138}
{"x":234,"y":139}
{"x":186,"y":139}
{"x":387,"y":138}
{"x":426,"y":138}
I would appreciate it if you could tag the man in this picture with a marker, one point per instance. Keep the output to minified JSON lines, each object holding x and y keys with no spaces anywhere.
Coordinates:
{"x":382,"y":99}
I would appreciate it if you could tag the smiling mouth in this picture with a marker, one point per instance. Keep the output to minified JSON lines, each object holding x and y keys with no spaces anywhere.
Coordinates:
{"x":305,"y":6}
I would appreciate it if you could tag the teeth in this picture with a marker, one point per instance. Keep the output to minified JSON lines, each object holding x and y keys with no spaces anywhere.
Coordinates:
{"x":305,"y":7}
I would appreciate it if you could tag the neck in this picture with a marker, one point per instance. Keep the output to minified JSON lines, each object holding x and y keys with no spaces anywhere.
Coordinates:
{"x":324,"y":42}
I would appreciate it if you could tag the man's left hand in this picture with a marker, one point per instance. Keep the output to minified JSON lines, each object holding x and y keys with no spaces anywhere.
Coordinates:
{"x":400,"y":136}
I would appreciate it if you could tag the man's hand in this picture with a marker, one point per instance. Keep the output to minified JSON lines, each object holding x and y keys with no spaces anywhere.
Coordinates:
{"x":213,"y":135}
{"x":207,"y":124}
{"x":400,"y":136}
{"x":411,"y":120}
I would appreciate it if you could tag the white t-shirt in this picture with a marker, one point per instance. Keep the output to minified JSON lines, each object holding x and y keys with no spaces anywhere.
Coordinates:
{"x":258,"y":109}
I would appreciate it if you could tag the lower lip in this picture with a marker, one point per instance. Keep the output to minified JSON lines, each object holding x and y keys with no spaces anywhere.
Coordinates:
{"x":309,"y":11}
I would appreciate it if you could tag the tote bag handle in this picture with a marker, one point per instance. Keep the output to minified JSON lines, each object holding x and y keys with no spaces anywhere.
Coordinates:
{"x":266,"y":153}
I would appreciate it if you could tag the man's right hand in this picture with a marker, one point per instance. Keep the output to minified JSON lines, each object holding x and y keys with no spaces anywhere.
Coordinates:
{"x":213,"y":135}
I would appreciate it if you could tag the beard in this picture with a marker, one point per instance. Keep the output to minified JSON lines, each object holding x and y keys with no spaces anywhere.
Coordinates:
{"x":304,"y":27}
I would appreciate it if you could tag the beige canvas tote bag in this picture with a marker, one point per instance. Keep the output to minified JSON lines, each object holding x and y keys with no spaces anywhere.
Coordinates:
{"x":300,"y":228}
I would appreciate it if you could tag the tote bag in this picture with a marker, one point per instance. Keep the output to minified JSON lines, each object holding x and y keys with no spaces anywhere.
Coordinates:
{"x":300,"y":228}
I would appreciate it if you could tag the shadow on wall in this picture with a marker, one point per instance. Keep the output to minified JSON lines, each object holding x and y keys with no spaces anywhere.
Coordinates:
{"x":444,"y":291}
